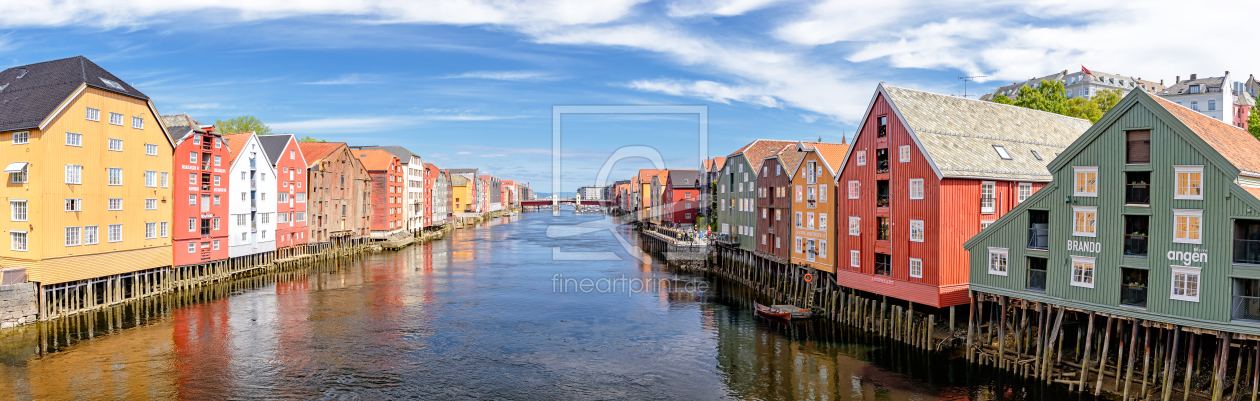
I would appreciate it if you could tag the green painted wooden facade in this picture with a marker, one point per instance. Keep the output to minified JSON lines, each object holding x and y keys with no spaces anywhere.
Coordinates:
{"x":738,"y":174}
{"x":1172,"y":144}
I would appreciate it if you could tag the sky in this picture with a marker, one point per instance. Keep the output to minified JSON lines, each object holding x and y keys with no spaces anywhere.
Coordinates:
{"x":472,"y":83}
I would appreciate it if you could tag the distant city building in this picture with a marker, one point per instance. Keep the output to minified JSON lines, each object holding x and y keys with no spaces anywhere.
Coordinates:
{"x":1210,"y":97}
{"x":1084,"y":83}
{"x":591,"y":192}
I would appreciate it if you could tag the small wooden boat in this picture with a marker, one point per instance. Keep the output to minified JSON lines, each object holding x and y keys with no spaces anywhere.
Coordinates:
{"x":785,"y":312}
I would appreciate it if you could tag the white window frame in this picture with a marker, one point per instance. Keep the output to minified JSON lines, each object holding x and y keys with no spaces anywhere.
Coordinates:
{"x":1085,"y":209}
{"x":1177,"y":171}
{"x":73,"y":236}
{"x":21,"y":137}
{"x":192,"y":247}
{"x":916,"y":188}
{"x":111,"y":176}
{"x":14,"y":214}
{"x":14,"y":242}
{"x":137,"y":123}
{"x":855,"y":188}
{"x":903,"y":153}
{"x":74,"y":139}
{"x":150,"y":204}
{"x":1187,"y":271}
{"x":150,"y":230}
{"x":1005,"y":260}
{"x":916,"y":268}
{"x":1002,"y":153}
{"x":162,"y":229}
{"x":93,"y":114}
{"x":855,"y":226}
{"x":114,"y":204}
{"x":1076,"y":176}
{"x":861,"y":157}
{"x":111,"y":229}
{"x":992,"y":207}
{"x":916,"y":227}
{"x":1024,"y":190}
{"x":91,"y":235}
{"x":115,"y":118}
{"x":1188,"y":213}
{"x":1093,"y":271}
{"x":115,"y":141}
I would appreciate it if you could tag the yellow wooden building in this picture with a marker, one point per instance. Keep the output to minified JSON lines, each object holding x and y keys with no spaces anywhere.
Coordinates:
{"x":87,"y":178}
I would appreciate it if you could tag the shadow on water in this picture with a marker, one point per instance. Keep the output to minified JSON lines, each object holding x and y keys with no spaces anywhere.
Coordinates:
{"x":476,"y":316}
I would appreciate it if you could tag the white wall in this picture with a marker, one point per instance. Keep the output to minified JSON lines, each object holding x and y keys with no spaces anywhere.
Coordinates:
{"x":413,"y":170}
{"x":254,"y":236}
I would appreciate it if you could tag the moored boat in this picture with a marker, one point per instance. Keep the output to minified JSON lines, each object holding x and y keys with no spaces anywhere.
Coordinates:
{"x":785,"y":312}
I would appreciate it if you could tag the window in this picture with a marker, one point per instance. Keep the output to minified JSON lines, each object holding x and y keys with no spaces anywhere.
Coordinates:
{"x":115,"y":176}
{"x":916,"y":268}
{"x":115,"y":232}
{"x":217,"y":159}
{"x":150,"y":230}
{"x":1036,"y":155}
{"x":881,"y":123}
{"x":17,"y":210}
{"x":74,"y":236}
{"x":240,"y":220}
{"x":1001,"y":151}
{"x":1025,"y":190}
{"x":1189,"y":182}
{"x":218,"y":143}
{"x":216,"y":181}
{"x":916,"y":230}
{"x":1194,"y":105}
{"x":1085,"y":220}
{"x":150,"y":204}
{"x":216,"y":244}
{"x":150,"y":179}
{"x":301,"y":216}
{"x":861,"y":157}
{"x":987,"y":200}
{"x":73,"y":139}
{"x":164,"y":176}
{"x":1187,"y":226}
{"x":853,"y":189}
{"x":192,"y":247}
{"x":216,"y":223}
{"x":916,"y":188}
{"x":20,"y":176}
{"x":93,"y":114}
{"x":21,"y":137}
{"x":17,"y":240}
{"x":137,"y":123}
{"x":74,"y":205}
{"x":216,"y":200}
{"x":91,"y":235}
{"x":1083,"y":271}
{"x":998,"y":261}
{"x":192,"y":158}
{"x":855,"y":259}
{"x":1211,"y":105}
{"x":799,"y":193}
{"x":1086,"y":181}
{"x":855,"y":225}
{"x":1185,"y":283}
{"x":115,"y":144}
{"x":985,"y":224}
{"x":903,"y":153}
{"x":799,"y":219}
{"x":115,"y":118}
{"x":1138,"y":147}
{"x":822,"y":192}
{"x":115,"y":203}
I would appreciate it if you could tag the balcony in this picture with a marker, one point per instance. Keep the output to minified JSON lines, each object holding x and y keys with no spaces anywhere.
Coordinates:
{"x":253,"y":164}
{"x":883,"y":264}
{"x":1247,"y":251}
{"x":1137,"y":194}
{"x":1133,"y":295}
{"x":882,"y":200}
{"x":253,"y":185}
{"x":1245,"y":308}
{"x":205,"y":166}
{"x":1039,"y":238}
{"x":883,"y":232}
{"x":1135,"y":245}
{"x":881,"y":161}
{"x":883,"y":195}
{"x":253,"y":204}
{"x":205,"y":187}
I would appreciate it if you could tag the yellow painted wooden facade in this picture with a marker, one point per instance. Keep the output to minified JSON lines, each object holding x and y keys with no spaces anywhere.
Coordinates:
{"x":48,"y":258}
{"x":460,"y":198}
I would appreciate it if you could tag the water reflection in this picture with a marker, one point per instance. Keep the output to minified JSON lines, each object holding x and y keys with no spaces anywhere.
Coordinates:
{"x":472,"y":316}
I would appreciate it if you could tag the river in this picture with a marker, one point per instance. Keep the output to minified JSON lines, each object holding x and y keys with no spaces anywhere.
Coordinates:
{"x":485,"y":313}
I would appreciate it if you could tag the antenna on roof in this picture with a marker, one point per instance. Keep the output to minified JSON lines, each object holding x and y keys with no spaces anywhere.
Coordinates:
{"x":968,"y":79}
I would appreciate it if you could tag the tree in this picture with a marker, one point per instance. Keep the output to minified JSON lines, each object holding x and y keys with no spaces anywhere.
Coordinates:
{"x":308,"y":138}
{"x":242,"y":124}
{"x":1253,"y":123}
{"x":1051,"y":96}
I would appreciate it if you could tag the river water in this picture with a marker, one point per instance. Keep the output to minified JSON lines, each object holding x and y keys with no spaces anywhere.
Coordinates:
{"x":492,"y":312}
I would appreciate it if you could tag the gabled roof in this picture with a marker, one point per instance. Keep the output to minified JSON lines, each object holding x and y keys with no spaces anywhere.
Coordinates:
{"x":318,"y":151}
{"x":684,"y":178}
{"x":236,"y":146}
{"x":712,"y":164}
{"x":180,"y":126}
{"x":375,"y":159}
{"x":274,"y":145}
{"x":789,"y":157}
{"x":757,"y":151}
{"x":832,"y":154}
{"x":1183,"y":87}
{"x":458,"y":180}
{"x":1234,"y":144}
{"x":404,"y":155}
{"x":957,"y":135}
{"x":30,"y":93}
{"x":645,"y":175}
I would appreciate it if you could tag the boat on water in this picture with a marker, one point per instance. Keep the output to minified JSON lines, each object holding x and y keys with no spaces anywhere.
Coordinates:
{"x":785,"y":312}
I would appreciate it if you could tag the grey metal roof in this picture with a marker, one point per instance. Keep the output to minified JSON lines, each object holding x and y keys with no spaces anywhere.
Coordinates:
{"x":274,"y":146}
{"x":26,"y":100}
{"x":684,"y":178}
{"x":180,"y":126}
{"x":1183,"y":87}
{"x":959,"y":134}
{"x":404,"y":155}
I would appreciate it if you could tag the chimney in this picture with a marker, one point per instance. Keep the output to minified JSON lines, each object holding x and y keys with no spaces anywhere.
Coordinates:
{"x":1194,"y":76}
{"x":1161,"y":82}
{"x":21,"y":71}
{"x":1178,"y":80}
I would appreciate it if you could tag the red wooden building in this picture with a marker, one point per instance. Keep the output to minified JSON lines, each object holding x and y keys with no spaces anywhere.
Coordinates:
{"x":201,"y":156}
{"x":387,"y":191}
{"x":774,"y":203}
{"x":286,"y":156}
{"x":924,"y":174}
{"x":681,"y":197}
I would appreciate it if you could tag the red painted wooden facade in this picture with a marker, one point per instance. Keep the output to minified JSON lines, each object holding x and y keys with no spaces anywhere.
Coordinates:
{"x":950,"y":211}
{"x":387,"y":188}
{"x":681,"y":197}
{"x":200,"y":172}
{"x":774,"y":206}
{"x":291,"y":229}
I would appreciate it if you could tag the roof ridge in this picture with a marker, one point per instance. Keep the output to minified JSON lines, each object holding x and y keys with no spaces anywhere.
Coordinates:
{"x":987,"y":102}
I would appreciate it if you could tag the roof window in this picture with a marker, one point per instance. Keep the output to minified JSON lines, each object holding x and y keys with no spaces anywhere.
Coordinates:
{"x":1001,"y":151}
{"x":1035,"y":155}
{"x":113,"y":84}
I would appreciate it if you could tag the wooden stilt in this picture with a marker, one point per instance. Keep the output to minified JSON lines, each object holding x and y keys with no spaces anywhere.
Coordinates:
{"x":1222,"y":362}
{"x":1089,"y":335}
{"x":1192,"y":346}
{"x":1128,"y":378}
{"x":1102,"y":358}
{"x":1170,"y":361}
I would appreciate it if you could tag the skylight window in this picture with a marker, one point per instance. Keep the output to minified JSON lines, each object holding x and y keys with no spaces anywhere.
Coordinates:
{"x":1002,"y":152}
{"x":1034,"y":153}
{"x":113,"y":84}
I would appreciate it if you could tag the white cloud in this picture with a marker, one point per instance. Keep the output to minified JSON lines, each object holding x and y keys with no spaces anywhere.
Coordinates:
{"x":506,"y":75}
{"x":809,"y":118}
{"x":724,"y":8}
{"x":349,"y":79}
{"x":201,"y":106}
{"x":708,"y":90}
{"x":374,"y":123}
{"x":463,"y":153}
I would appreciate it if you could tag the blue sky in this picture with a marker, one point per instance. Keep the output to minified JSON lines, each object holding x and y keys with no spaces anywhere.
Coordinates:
{"x":471,"y":84}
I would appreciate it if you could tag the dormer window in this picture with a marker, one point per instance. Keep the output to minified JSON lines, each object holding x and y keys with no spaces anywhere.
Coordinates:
{"x":1001,"y":151}
{"x":1194,"y":88}
{"x":1035,"y":155}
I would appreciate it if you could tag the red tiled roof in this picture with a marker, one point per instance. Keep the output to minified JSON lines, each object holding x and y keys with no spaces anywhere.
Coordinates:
{"x":316,"y":151}
{"x":757,"y":151}
{"x":645,"y":175}
{"x":375,"y":159}
{"x":832,"y":153}
{"x":1235,"y":144}
{"x":236,"y":142}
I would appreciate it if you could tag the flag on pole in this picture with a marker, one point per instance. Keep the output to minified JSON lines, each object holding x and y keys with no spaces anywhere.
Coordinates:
{"x":1086,"y":70}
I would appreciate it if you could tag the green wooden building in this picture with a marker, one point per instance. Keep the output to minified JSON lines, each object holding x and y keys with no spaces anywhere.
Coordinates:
{"x":737,"y":190}
{"x":1153,"y":214}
